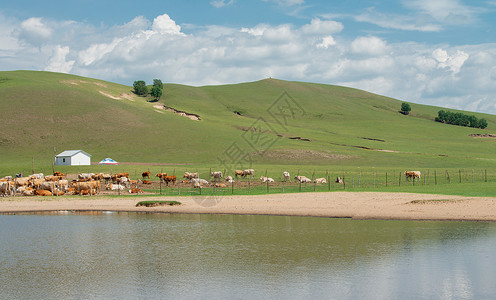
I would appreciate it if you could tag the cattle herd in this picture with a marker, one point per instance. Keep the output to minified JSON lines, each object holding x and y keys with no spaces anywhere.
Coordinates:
{"x":91,"y":183}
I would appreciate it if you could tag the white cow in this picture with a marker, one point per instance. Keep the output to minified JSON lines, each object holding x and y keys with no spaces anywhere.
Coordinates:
{"x":320,"y":180}
{"x":286,"y":176}
{"x":266,"y":179}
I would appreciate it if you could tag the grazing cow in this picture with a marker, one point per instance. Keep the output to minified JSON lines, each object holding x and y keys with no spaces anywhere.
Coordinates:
{"x":22,"y":181}
{"x":238,"y":173}
{"x":47,"y":186}
{"x":135,"y":191}
{"x":36,"y":176}
{"x":320,"y":180}
{"x":216,"y":175}
{"x":338,"y":180}
{"x":145,"y":174}
{"x":302,"y":179}
{"x":266,"y":179}
{"x":85,"y":176}
{"x":63,"y":184}
{"x":189,"y":175}
{"x":97,"y":176}
{"x":168,"y":179}
{"x":6,"y":188}
{"x":52,"y":178}
{"x":36,"y":183}
{"x":249,"y":172}
{"x":229,"y":179}
{"x":42,"y":193}
{"x":412,"y":174}
{"x":57,"y":173}
{"x":286,"y":176}
{"x":83,"y":187}
{"x":161,"y":176}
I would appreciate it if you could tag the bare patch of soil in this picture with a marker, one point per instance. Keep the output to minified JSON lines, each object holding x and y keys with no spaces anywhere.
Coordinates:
{"x":487,"y":135}
{"x":108,"y":95}
{"x":193,"y":117}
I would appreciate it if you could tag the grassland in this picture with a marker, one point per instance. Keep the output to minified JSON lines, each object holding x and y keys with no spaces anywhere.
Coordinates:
{"x":332,"y":129}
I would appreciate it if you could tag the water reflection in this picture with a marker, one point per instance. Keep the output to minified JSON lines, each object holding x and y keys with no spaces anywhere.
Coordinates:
{"x":131,"y":255}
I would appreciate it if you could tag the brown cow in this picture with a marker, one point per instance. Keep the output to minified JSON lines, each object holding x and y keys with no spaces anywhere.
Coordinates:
{"x":147,"y":182}
{"x":145,"y":174}
{"x":238,"y":173}
{"x":42,"y":193}
{"x":168,"y":179}
{"x":161,"y":176}
{"x":135,"y":191}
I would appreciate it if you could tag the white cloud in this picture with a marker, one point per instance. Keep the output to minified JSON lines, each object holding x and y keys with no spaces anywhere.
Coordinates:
{"x":446,"y":11}
{"x":396,"y":21}
{"x":287,"y":2}
{"x":326,"y":42}
{"x":317,"y":26}
{"x":453,"y":62}
{"x":163,"y":24}
{"x":58,"y":62}
{"x":34,"y":31}
{"x":221,"y":3}
{"x":369,"y":46}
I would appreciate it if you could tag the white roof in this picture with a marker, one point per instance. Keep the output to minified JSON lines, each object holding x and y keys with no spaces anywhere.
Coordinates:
{"x":72,"y":153}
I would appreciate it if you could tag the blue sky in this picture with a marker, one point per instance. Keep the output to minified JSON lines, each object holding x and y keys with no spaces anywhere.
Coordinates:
{"x":439,"y":52}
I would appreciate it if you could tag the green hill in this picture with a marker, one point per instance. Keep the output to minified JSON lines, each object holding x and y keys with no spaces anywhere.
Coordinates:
{"x":270,"y":122}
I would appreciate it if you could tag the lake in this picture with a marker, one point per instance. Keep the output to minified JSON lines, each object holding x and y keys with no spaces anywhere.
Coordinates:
{"x":149,"y":256}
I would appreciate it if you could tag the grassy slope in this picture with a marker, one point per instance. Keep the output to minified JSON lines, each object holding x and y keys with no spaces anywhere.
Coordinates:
{"x":41,"y":110}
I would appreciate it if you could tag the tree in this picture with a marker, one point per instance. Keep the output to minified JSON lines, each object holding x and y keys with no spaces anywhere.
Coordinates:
{"x":405,"y":108}
{"x":156,"y":92}
{"x":482,"y":123}
{"x":158,"y":83}
{"x":140,"y":88}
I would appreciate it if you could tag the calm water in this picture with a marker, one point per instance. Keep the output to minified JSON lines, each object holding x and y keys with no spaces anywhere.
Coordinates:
{"x":150,"y":256}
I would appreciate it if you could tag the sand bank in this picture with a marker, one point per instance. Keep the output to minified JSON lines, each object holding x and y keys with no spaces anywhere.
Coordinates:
{"x":358,"y":205}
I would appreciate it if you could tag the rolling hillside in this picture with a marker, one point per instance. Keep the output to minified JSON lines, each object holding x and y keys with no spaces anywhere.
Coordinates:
{"x":269,"y":122}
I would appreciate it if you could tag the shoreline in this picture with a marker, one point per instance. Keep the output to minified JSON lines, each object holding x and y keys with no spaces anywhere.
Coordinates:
{"x":355,"y":205}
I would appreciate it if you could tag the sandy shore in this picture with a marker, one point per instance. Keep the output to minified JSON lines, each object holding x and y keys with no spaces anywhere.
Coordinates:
{"x":363,"y":205}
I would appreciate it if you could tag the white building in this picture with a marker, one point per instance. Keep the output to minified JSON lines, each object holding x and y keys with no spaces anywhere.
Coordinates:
{"x":73,"y":158}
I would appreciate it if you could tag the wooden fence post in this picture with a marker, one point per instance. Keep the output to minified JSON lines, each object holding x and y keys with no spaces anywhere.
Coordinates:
{"x":386,"y":179}
{"x":399,"y":180}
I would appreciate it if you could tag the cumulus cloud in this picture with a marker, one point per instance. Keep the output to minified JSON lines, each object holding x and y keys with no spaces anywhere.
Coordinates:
{"x":326,"y":42}
{"x":452,"y":62}
{"x":370,"y":45}
{"x":34,"y":31}
{"x":58,"y":62}
{"x":163,"y":24}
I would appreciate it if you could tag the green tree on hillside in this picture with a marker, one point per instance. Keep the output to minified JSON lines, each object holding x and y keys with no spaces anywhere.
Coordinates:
{"x":405,"y":108}
{"x":158,"y":83}
{"x":460,"y":119}
{"x":156,"y":92}
{"x":140,"y":88}
{"x":157,"y":89}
